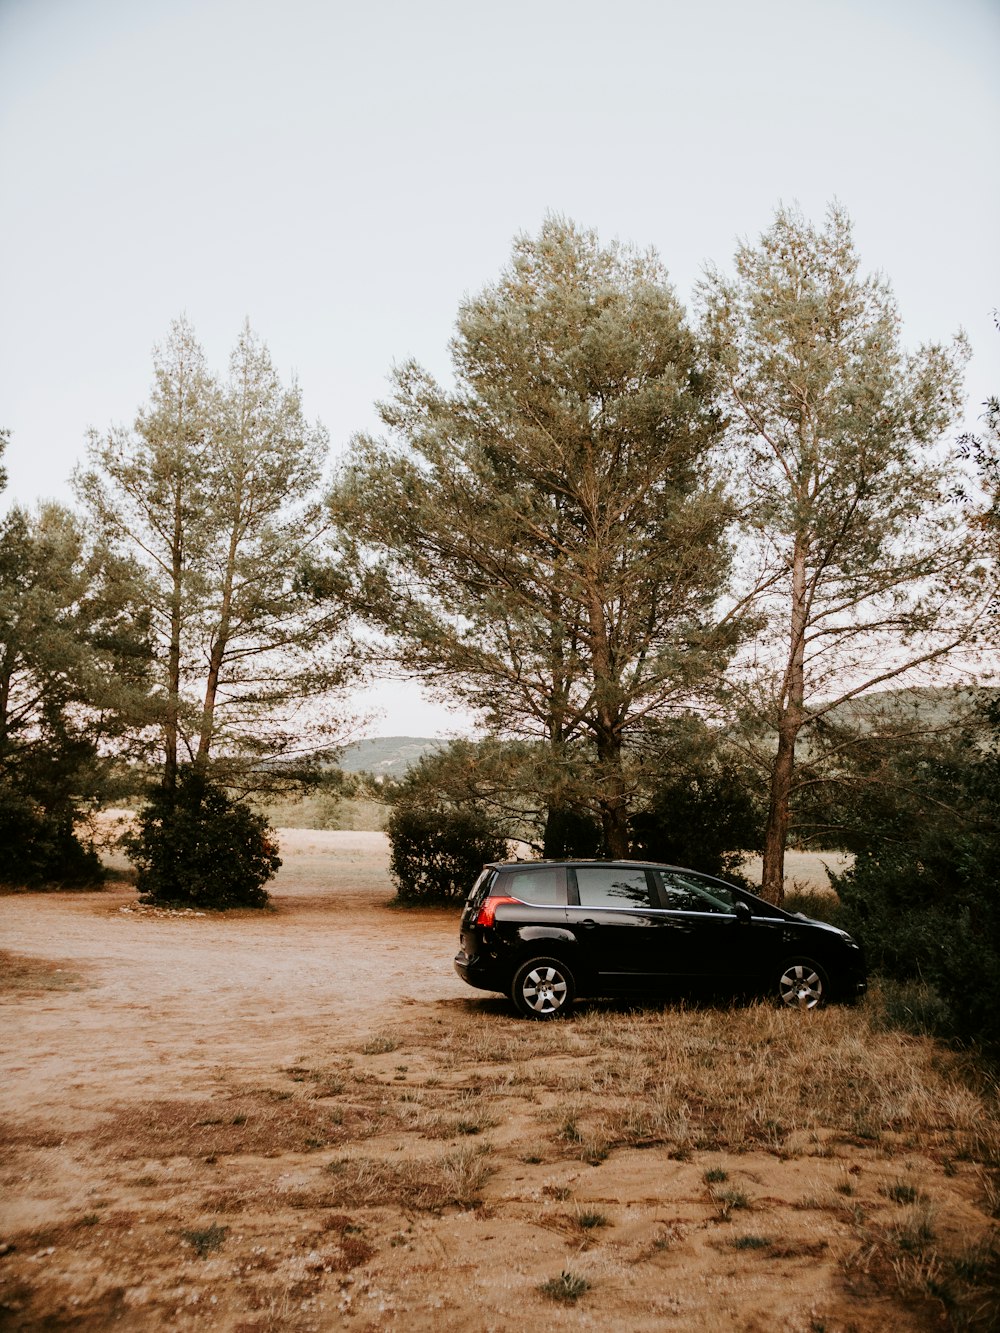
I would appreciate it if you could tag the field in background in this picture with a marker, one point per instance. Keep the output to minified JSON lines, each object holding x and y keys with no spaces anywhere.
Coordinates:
{"x":804,"y":871}
{"x":352,"y":814}
{"x":301,"y":1120}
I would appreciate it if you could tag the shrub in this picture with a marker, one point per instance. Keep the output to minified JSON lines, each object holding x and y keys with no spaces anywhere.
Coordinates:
{"x":198,"y":847}
{"x":40,"y":846}
{"x":437,"y":854}
{"x":571,"y":832}
{"x":706,"y":814}
{"x":922,"y":892}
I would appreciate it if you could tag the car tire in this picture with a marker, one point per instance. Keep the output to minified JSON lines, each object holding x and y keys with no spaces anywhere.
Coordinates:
{"x":543,"y":988}
{"x":802,"y":984}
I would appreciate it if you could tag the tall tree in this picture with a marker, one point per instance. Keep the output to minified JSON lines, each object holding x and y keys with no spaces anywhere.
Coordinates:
{"x":547,"y":540}
{"x":861,"y":566}
{"x":150,"y":489}
{"x":216,"y":490}
{"x":74,"y":658}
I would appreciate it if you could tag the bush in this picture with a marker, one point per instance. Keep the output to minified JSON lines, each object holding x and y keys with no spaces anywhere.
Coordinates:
{"x":706,"y":815}
{"x":571,"y":833}
{"x":437,"y":854}
{"x":922,"y":894}
{"x":197,"y":847}
{"x":39,"y":846}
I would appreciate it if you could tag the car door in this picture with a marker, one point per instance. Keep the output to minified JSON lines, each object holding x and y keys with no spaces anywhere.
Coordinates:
{"x":618,"y":923}
{"x":723,"y":939}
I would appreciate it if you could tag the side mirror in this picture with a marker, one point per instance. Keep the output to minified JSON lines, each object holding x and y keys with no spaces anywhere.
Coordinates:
{"x":742,"y":913}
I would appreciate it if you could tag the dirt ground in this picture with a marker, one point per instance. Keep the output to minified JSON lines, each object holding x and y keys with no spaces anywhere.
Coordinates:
{"x":303,"y":1120}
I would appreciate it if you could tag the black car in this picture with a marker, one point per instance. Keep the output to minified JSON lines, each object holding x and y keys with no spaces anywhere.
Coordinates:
{"x":544,"y":932}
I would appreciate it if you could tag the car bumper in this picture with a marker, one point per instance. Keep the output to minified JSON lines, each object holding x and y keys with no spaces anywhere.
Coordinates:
{"x":476,"y":971}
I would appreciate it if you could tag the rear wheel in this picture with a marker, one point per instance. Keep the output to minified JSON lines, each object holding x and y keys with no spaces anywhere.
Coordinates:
{"x":543,"y":988}
{"x":802,"y":984}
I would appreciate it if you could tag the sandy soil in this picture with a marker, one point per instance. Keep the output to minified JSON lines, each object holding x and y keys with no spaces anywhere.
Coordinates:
{"x":172,"y":999}
{"x":304,"y":1120}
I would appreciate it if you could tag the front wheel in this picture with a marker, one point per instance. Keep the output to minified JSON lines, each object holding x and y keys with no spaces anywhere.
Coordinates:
{"x":543,"y":988}
{"x":802,"y":984}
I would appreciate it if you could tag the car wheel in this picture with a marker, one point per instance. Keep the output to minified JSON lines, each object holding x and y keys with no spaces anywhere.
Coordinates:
{"x":802,"y":984}
{"x":543,"y":988}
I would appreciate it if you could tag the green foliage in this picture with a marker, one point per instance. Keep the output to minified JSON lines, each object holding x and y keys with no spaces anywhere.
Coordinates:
{"x":38,"y":841}
{"x":567,"y":1288}
{"x":437,"y":854}
{"x":856,"y":557}
{"x":196,"y":846}
{"x":571,"y":832}
{"x":214,"y":490}
{"x":705,"y":809}
{"x":550,"y":535}
{"x":74,"y":653}
{"x":206,"y":1239}
{"x":529,"y":792}
{"x":922,"y":894}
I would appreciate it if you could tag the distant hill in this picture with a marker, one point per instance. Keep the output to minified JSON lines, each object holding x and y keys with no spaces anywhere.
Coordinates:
{"x":391,"y":755}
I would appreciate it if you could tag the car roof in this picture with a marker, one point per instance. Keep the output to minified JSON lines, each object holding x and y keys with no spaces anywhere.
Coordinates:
{"x":585,"y":861}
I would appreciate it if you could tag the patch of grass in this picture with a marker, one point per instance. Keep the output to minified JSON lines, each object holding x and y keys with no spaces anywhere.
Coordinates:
{"x":205,"y":1239}
{"x":560,"y":1192}
{"x":594,"y":1150}
{"x":900,"y":1192}
{"x":588,"y":1220}
{"x":567,"y":1288}
{"x":570,"y":1130}
{"x":846,"y":1184}
{"x":728,"y":1201}
{"x":383,"y":1044}
{"x":915,"y":1231}
{"x":751,"y":1242}
{"x":910,"y":1006}
{"x":715,"y":1175}
{"x":456,"y":1179}
{"x":961,"y":1290}
{"x":257,"y":1121}
{"x":31,"y":975}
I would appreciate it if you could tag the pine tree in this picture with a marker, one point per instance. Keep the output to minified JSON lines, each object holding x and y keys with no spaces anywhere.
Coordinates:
{"x":861,"y":567}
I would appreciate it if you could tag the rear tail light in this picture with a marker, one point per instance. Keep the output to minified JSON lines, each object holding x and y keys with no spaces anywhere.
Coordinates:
{"x":489,"y":910}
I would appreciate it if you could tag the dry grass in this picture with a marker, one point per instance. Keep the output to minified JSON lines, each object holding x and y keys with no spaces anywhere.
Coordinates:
{"x":302,"y":1185}
{"x":28,"y":975}
{"x":453,"y":1180}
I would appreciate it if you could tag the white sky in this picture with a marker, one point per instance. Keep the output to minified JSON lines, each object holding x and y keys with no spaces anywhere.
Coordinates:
{"x":344,"y":173}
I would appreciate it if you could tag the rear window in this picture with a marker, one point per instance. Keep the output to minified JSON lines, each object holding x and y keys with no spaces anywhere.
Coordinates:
{"x":480,"y":890}
{"x":532,"y":884}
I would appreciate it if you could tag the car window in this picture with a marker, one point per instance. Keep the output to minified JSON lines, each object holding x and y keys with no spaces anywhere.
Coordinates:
{"x":534,"y":884}
{"x":689,"y":893}
{"x":612,"y":886}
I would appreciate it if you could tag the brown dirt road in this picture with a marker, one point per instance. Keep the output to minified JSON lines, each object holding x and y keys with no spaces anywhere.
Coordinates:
{"x":302,"y":1120}
{"x":170,"y":998}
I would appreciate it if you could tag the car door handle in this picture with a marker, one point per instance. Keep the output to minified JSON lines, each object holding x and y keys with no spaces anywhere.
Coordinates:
{"x":588,"y":924}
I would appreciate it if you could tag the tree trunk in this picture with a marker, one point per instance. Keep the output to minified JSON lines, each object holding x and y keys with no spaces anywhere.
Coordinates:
{"x":219,"y":645}
{"x":607,"y":735}
{"x":789,"y":725}
{"x":171,"y":726}
{"x":613,"y":801}
{"x":772,"y":887}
